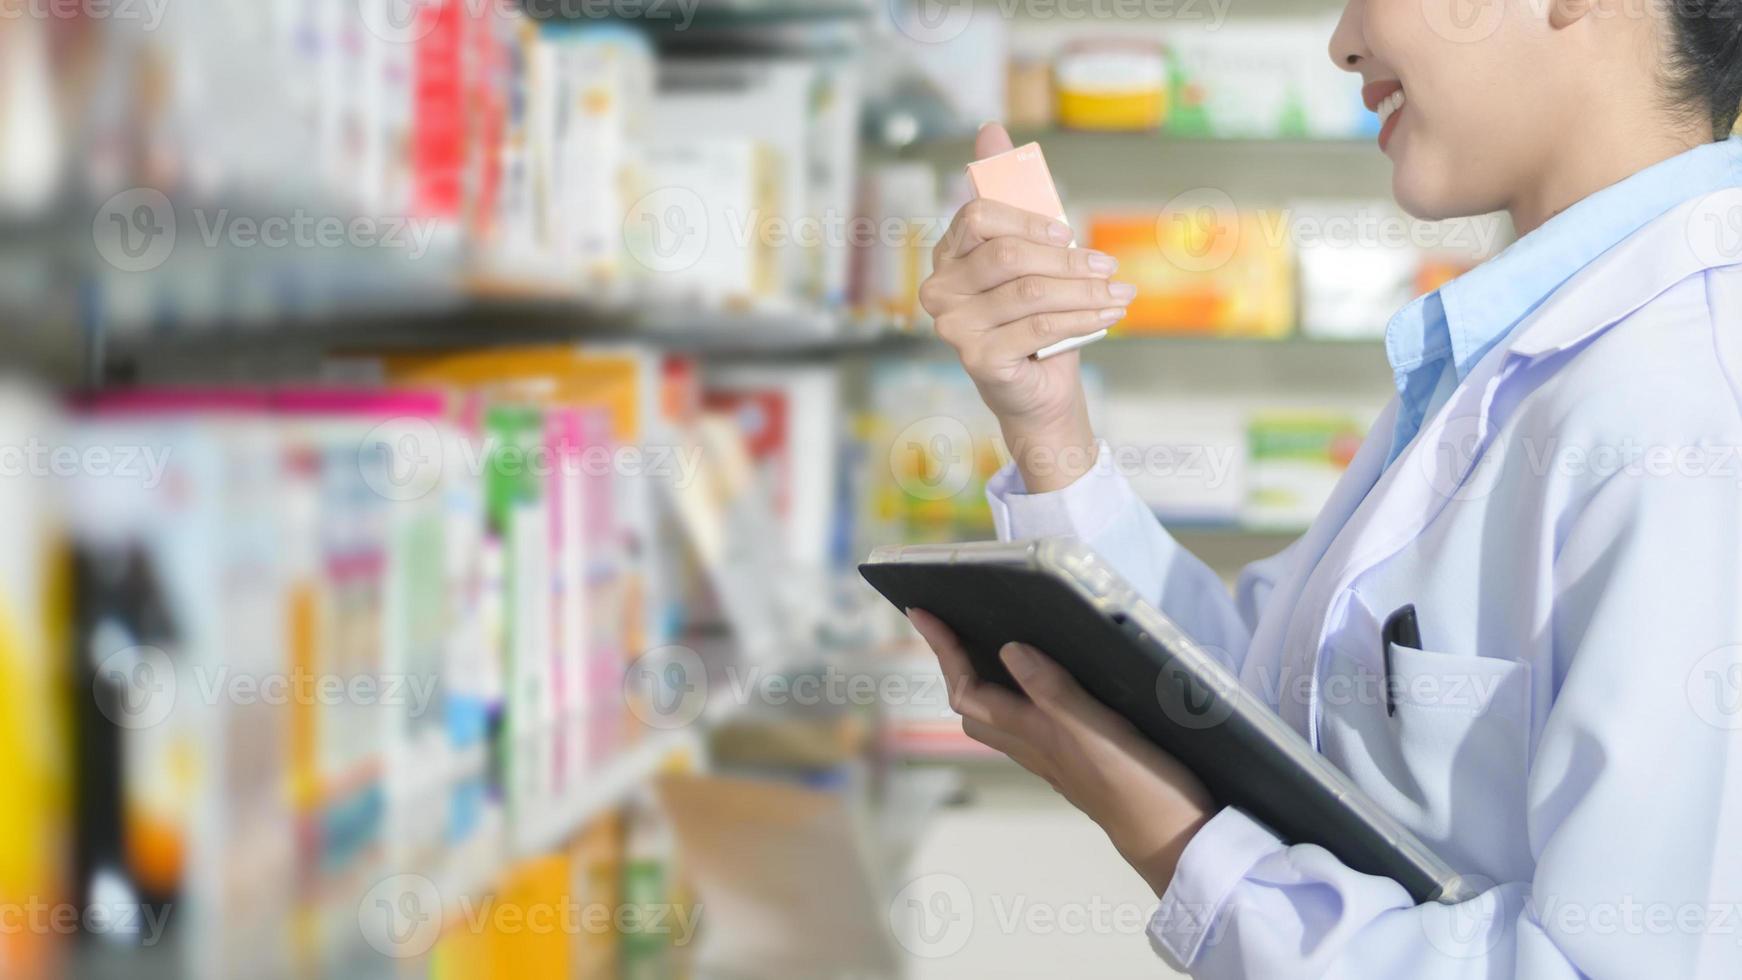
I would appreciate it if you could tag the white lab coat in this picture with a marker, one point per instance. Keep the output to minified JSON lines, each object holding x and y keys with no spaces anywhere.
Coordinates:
{"x":1569,"y":528}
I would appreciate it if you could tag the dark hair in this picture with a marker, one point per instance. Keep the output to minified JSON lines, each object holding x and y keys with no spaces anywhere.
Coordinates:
{"x":1706,"y":64}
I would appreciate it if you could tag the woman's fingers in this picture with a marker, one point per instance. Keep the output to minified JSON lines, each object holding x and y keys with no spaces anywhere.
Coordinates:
{"x":1030,"y":295}
{"x":1003,"y":259}
{"x":1014,"y":341}
{"x":1014,"y":748}
{"x":987,"y":704}
{"x":981,"y":220}
{"x":959,"y":676}
{"x":1003,"y":741}
{"x":1054,"y":691}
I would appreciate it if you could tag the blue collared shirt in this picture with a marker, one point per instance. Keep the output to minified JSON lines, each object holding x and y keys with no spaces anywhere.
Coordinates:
{"x":1434,"y":341}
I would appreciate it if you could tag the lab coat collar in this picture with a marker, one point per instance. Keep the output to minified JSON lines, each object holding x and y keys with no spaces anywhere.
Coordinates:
{"x":1702,"y":233}
{"x":1481,"y":306}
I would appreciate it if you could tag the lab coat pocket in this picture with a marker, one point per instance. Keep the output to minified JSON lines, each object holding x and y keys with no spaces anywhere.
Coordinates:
{"x":1450,"y":761}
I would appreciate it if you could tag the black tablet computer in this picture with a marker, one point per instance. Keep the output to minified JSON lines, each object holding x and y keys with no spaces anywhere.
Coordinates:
{"x":1058,"y":596}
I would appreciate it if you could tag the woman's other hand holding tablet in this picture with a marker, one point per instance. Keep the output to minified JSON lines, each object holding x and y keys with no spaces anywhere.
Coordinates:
{"x":1149,"y":804}
{"x":1005,"y":284}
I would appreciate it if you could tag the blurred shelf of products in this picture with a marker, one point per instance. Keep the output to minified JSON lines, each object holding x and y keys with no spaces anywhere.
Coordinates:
{"x":438,"y":439}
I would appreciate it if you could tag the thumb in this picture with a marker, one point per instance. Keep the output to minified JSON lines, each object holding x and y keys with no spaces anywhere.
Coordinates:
{"x":992,"y":140}
{"x":1043,"y":680}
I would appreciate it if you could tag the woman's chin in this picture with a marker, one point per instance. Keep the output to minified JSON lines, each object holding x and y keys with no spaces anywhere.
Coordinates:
{"x":1427,"y":192}
{"x":1432,"y":187}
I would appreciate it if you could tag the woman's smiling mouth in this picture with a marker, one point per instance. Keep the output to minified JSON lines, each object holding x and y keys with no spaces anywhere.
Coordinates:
{"x":1387,"y":99}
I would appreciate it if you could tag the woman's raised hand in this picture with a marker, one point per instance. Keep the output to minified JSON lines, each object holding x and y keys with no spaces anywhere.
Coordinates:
{"x":1005,"y":284}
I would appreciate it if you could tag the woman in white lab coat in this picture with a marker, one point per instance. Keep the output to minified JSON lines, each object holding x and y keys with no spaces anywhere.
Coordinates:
{"x":1557,"y":489}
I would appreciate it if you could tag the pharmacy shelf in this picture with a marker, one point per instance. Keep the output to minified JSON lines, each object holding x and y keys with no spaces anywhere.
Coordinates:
{"x":723,"y":27}
{"x":1146,"y":169}
{"x":612,"y":783}
{"x":609,"y":787}
{"x":1070,"y":139}
{"x":719,"y":334}
{"x":699,"y":331}
{"x":706,"y":16}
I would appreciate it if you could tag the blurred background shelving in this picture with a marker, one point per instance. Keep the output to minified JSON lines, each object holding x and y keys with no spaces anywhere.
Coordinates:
{"x":332,"y":274}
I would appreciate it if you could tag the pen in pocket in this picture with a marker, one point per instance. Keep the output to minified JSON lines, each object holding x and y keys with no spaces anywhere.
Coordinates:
{"x":1402,"y":629}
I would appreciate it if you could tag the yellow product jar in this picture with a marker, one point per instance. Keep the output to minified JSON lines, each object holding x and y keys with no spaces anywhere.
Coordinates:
{"x":1112,"y":85}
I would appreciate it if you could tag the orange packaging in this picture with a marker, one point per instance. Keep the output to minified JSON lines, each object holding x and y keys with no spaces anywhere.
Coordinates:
{"x":1209,"y":271}
{"x":1020,"y":178}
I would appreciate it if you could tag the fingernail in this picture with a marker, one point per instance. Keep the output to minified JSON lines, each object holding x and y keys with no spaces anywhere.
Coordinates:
{"x":1020,"y":658}
{"x":1058,"y":233}
{"x":1122,"y":292}
{"x":1112,"y":316}
{"x":1102,"y":264}
{"x":989,"y":122}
